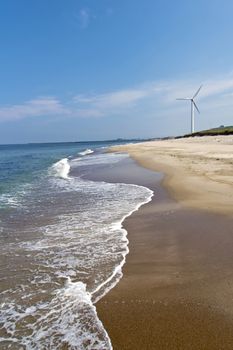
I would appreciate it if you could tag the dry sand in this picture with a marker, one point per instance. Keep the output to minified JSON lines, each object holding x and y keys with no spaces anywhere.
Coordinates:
{"x":199,"y":170}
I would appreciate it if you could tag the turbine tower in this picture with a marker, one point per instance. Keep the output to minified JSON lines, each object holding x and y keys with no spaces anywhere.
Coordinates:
{"x":193,"y":106}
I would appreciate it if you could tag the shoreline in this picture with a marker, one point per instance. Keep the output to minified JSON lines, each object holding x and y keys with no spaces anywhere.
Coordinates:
{"x":177,"y":277}
{"x":198,"y":171}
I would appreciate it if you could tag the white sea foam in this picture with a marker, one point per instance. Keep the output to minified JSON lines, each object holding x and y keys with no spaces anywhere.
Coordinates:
{"x":69,"y":319}
{"x":84,"y":245}
{"x":98,"y":159}
{"x":86,"y":152}
{"x":116,"y":275}
{"x":61,"y":168}
{"x":15,"y":198}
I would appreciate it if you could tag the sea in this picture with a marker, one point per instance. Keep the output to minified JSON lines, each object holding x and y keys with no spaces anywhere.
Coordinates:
{"x":62,"y":244}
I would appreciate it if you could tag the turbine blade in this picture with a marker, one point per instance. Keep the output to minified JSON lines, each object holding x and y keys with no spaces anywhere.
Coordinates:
{"x":184,"y":99}
{"x":195,"y":95}
{"x":196,"y":106}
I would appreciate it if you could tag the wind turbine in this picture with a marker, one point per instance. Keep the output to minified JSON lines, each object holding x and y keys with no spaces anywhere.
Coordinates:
{"x":193,"y":106}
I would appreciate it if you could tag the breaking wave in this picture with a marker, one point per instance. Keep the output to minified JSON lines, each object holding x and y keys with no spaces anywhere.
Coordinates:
{"x":61,"y":168}
{"x":86,"y":152}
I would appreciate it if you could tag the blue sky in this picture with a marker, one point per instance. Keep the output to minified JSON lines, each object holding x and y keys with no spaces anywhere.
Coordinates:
{"x":86,"y":69}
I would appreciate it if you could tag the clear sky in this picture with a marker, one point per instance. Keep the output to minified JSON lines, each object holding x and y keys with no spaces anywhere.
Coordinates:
{"x":73,"y":70}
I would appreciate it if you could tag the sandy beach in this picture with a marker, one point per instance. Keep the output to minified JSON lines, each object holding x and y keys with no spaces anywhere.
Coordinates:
{"x":176,"y":291}
{"x":198,"y":171}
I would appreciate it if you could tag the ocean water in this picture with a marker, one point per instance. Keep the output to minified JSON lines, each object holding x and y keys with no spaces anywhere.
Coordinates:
{"x":62,"y":245}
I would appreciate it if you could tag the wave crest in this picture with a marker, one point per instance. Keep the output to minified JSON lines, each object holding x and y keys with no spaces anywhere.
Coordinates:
{"x":86,"y":152}
{"x":61,"y":168}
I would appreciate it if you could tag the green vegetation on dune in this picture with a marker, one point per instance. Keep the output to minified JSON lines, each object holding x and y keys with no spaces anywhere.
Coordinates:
{"x":222,"y":130}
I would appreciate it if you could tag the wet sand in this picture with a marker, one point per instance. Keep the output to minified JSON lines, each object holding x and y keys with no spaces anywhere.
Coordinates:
{"x":177,"y":287}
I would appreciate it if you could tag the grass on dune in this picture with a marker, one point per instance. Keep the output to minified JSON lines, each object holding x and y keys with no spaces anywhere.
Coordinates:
{"x":223,"y":130}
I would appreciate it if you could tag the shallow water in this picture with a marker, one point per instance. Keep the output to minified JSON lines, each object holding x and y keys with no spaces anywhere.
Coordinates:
{"x":62,"y":248}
